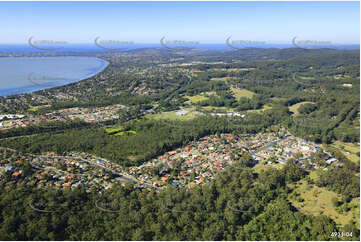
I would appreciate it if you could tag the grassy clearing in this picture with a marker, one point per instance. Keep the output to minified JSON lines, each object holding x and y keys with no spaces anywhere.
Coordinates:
{"x":34,"y":108}
{"x":348,"y":149}
{"x":265,"y":107}
{"x":113,"y":129}
{"x":217,"y":109}
{"x":294,"y":108}
{"x":238,"y":93}
{"x":225,"y":79}
{"x":278,"y":99}
{"x":261,"y":166}
{"x":6,"y":124}
{"x":122,"y":133}
{"x":316,"y":200}
{"x":174,"y":115}
{"x":233,"y":69}
{"x":314,"y":175}
{"x":199,"y":97}
{"x":196,"y":99}
{"x":37,"y":108}
{"x":119,"y":131}
{"x":196,"y":72}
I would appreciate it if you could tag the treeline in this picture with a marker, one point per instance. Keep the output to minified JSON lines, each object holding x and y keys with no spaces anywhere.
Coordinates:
{"x":342,"y":180}
{"x":316,"y":77}
{"x":327,"y":122}
{"x":237,"y":205}
{"x":151,"y":137}
{"x":51,"y":127}
{"x":46,"y":127}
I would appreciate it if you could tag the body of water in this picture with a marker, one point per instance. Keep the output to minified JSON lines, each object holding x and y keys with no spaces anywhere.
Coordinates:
{"x":29,"y":74}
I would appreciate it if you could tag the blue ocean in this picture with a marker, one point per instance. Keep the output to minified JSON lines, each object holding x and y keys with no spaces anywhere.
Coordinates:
{"x":29,"y":74}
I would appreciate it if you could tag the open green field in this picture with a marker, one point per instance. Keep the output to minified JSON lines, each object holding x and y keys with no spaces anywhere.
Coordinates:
{"x":264,"y":108}
{"x":118,"y":130}
{"x":196,"y":72}
{"x":233,"y":69}
{"x":199,"y":97}
{"x":196,"y":99}
{"x":314,"y":175}
{"x":113,"y":129}
{"x":238,"y":93}
{"x":217,"y":109}
{"x":37,"y":108}
{"x":317,"y":200}
{"x":294,"y":108}
{"x":349,"y":150}
{"x":6,"y":123}
{"x":225,"y":79}
{"x":262,"y":166}
{"x":174,"y":115}
{"x":350,"y":147}
{"x":130,"y":132}
{"x":278,"y":99}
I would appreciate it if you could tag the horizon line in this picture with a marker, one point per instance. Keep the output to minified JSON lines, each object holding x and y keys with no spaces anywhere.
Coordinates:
{"x":200,"y":43}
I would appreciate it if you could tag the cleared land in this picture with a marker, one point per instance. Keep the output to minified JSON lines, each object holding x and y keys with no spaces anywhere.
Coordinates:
{"x":217,"y":109}
{"x":264,"y":108}
{"x":37,"y":108}
{"x":262,"y":166}
{"x":6,"y":123}
{"x":316,"y":200}
{"x":278,"y":99}
{"x":196,"y":72}
{"x":113,"y":129}
{"x":238,"y":93}
{"x":199,"y":97}
{"x":294,"y":108}
{"x":130,"y":132}
{"x":174,"y":115}
{"x":233,"y":69}
{"x":350,"y":150}
{"x":225,"y":79}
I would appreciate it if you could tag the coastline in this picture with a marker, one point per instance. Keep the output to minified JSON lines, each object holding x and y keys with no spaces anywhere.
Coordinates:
{"x":34,"y":88}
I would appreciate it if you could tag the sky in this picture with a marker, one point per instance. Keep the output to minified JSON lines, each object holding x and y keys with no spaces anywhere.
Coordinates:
{"x":204,"y":22}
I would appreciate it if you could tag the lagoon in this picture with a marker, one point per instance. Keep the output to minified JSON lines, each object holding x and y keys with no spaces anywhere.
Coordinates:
{"x":28,"y":74}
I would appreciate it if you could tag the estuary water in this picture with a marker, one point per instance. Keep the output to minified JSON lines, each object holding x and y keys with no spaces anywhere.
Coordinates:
{"x":29,"y":74}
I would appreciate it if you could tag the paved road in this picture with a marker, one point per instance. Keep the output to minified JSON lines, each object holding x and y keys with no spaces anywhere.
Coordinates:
{"x":269,"y":144}
{"x":98,"y":124}
{"x":121,"y":176}
{"x":131,"y":179}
